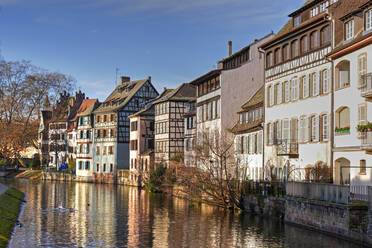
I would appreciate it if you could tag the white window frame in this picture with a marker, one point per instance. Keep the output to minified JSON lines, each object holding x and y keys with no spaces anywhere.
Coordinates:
{"x":325,"y":80}
{"x":368,"y":20}
{"x":325,"y":134}
{"x":349,"y":30}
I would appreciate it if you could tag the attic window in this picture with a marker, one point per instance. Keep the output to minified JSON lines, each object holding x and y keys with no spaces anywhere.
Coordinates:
{"x":324,"y":6}
{"x":296,"y":21}
{"x":314,"y":11}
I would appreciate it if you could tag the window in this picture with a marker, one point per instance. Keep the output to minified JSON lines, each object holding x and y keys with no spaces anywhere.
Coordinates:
{"x":295,"y":49}
{"x":104,"y":168}
{"x":287,"y":91}
{"x":315,"y":84}
{"x":133,"y":145}
{"x":314,"y":40}
{"x":97,"y":167}
{"x":104,"y":150}
{"x":325,"y":127}
{"x":104,"y":118}
{"x":111,"y":168}
{"x":304,"y":44}
{"x":259,"y":143}
{"x":87,"y":165}
{"x":343,"y":117}
{"x":111,"y":150}
{"x":305,"y":86}
{"x":269,"y":59}
{"x":272,"y":97}
{"x":295,"y":89}
{"x":342,"y":74}
{"x":325,"y":81}
{"x":80,"y":165}
{"x":286,"y":52}
{"x":324,"y":6}
{"x":362,"y":114}
{"x":362,"y":68}
{"x":302,"y":130}
{"x":112,"y":118}
{"x":279,"y":93}
{"x":278,"y":58}
{"x":315,"y":128}
{"x":368,"y":19}
{"x":325,"y":35}
{"x":314,"y":11}
{"x":296,"y":21}
{"x":363,"y":167}
{"x":286,"y":134}
{"x":349,"y":30}
{"x":133,"y":126}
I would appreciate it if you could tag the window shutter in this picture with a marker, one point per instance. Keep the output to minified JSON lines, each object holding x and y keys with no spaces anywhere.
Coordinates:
{"x":297,"y":88}
{"x":294,"y":130}
{"x":275,"y":94}
{"x":279,"y":130}
{"x":287,"y":91}
{"x":301,"y":89}
{"x":279,"y":93}
{"x":315,"y":128}
{"x":307,"y":129}
{"x":272,"y":95}
{"x":315,"y":84}
{"x":362,"y":114}
{"x":325,"y":127}
{"x":286,"y":130}
{"x":362,"y":68}
{"x":305,"y":86}
{"x":259,"y":143}
{"x":311,"y":84}
{"x":301,"y":137}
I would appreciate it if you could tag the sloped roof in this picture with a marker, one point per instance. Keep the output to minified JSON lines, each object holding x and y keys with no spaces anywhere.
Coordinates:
{"x":257,"y":98}
{"x":122,"y":94}
{"x":184,"y":92}
{"x":149,"y":111}
{"x":247,"y":127}
{"x":86,"y":107}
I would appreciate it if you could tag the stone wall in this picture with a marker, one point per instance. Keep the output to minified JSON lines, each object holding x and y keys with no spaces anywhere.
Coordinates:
{"x":267,"y":206}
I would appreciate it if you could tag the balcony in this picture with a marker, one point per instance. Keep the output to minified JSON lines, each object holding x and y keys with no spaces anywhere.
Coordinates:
{"x":287,"y":148}
{"x":366,"y":85}
{"x":366,"y":138}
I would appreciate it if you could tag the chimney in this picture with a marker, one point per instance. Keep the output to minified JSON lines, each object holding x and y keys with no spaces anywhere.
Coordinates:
{"x":229,"y":48}
{"x":124,"y":79}
{"x":149,"y":79}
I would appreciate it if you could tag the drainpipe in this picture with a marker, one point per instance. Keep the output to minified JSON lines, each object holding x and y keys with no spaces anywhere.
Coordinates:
{"x":263,"y":112}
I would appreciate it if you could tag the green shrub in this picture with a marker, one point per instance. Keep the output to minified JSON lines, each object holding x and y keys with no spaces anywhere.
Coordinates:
{"x":3,"y":162}
{"x":156,"y":179}
{"x":178,"y":157}
{"x":35,"y":163}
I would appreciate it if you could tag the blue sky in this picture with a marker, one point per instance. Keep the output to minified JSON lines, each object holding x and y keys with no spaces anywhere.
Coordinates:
{"x":174,"y":41}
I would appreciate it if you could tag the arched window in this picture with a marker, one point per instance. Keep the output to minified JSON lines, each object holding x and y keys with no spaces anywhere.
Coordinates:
{"x":343,"y":74}
{"x":295,"y":48}
{"x":269,"y":59}
{"x":325,"y":35}
{"x":304,"y":44}
{"x":278,"y":56}
{"x":286,"y":52}
{"x":343,"y":118}
{"x":314,"y":40}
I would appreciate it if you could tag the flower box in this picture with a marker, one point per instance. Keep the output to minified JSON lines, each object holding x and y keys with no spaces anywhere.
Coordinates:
{"x":342,"y":130}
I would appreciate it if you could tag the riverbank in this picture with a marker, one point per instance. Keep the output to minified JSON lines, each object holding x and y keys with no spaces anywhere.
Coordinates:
{"x":10,"y":206}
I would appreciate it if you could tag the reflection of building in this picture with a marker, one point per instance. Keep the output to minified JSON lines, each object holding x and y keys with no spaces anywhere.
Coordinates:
{"x":352,"y":58}
{"x":111,"y":138}
{"x":298,"y":95}
{"x":141,"y":144}
{"x":248,"y":138}
{"x":170,"y":108}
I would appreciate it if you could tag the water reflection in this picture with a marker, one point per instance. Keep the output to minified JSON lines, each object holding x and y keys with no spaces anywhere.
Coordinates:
{"x":110,"y":216}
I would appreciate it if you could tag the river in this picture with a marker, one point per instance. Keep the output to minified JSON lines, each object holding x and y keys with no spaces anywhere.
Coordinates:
{"x":91,"y":215}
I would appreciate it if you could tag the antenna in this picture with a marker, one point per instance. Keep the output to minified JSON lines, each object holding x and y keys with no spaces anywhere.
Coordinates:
{"x":116,"y":75}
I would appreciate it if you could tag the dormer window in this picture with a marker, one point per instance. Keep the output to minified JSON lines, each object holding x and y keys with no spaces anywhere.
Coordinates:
{"x":296,"y":21}
{"x":368,"y":19}
{"x":324,"y":6}
{"x":349,"y":30}
{"x":314,"y":11}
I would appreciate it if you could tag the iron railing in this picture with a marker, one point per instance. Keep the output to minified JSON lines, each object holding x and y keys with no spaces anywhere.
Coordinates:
{"x":366,"y":85}
{"x":286,"y":147}
{"x":366,"y":138}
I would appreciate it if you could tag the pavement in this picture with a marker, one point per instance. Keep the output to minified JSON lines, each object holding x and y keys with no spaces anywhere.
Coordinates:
{"x":3,"y":188}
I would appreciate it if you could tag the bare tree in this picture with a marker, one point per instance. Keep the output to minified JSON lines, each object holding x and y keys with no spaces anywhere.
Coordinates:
{"x":218,"y":175}
{"x":23,"y":88}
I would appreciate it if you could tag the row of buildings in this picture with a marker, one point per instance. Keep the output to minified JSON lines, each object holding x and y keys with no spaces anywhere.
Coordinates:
{"x":296,"y":104}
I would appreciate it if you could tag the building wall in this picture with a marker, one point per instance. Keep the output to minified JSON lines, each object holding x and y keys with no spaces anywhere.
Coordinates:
{"x":240,"y":84}
{"x":309,"y":153}
{"x":348,"y":145}
{"x":189,"y":143}
{"x":251,"y":162}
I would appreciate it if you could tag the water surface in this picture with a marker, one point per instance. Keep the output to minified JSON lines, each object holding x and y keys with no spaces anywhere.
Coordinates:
{"x":91,"y":215}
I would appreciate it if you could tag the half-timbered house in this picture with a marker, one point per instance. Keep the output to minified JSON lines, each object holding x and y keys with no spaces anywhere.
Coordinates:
{"x":142,"y":144}
{"x":169,"y":122}
{"x":298,"y":95}
{"x":111,"y":127}
{"x":190,"y":135}
{"x":84,"y":138}
{"x":62,"y":118}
